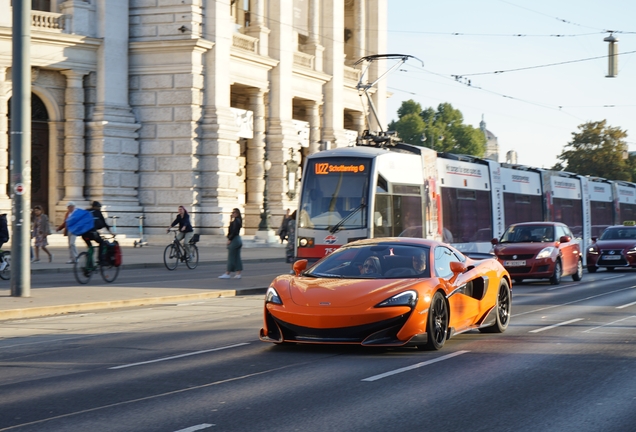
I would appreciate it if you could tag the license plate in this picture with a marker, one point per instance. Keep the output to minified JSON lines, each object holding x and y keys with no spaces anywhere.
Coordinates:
{"x":611,"y":257}
{"x":518,"y":263}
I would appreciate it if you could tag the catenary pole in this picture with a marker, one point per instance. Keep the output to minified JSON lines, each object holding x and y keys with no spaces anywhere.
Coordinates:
{"x":20,"y":154}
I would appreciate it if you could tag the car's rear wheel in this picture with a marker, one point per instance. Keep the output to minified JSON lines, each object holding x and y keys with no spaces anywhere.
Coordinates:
{"x":437,"y":323}
{"x":579,"y":272}
{"x":503,"y":306}
{"x":592,"y":269}
{"x":556,"y":276}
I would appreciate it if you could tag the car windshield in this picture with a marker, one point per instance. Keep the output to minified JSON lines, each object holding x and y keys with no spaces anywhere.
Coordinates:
{"x":620,"y":233}
{"x":374,"y":261}
{"x":528,"y":234}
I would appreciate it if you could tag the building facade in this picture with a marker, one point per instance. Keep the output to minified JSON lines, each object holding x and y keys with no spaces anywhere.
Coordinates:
{"x":145,"y":105}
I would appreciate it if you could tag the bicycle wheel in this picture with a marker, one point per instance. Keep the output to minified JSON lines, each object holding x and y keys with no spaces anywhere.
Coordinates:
{"x":109,"y":272}
{"x":83,"y":268}
{"x":6,"y":272}
{"x":193,"y":262}
{"x":171,"y":257}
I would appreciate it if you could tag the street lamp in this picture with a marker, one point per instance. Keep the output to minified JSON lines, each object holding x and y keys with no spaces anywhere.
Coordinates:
{"x":264,"y":225}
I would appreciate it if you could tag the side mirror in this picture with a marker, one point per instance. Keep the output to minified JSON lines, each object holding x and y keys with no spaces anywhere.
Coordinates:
{"x":494,"y":241}
{"x":594,"y":238}
{"x":457,"y":267}
{"x":565,"y":239}
{"x":300,"y":266}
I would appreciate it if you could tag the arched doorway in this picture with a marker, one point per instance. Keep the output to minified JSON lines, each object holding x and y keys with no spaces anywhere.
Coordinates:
{"x":39,"y":153}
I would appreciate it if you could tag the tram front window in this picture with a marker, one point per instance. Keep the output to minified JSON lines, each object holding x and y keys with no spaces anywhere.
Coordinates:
{"x":334,"y":193}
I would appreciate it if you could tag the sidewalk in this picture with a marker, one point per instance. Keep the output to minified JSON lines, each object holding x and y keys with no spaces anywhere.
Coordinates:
{"x":93,"y":296}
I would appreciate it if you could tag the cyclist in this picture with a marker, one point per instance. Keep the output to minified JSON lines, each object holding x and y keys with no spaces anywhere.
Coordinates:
{"x":100,"y":223}
{"x":185,"y":229}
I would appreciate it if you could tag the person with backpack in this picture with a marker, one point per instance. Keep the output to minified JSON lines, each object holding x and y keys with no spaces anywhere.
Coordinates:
{"x":98,"y":223}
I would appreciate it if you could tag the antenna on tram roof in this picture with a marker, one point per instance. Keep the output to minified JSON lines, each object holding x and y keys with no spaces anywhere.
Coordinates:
{"x":381,"y":138}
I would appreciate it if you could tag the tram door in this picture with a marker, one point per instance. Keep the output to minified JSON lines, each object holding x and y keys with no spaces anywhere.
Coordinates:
{"x":39,"y":154}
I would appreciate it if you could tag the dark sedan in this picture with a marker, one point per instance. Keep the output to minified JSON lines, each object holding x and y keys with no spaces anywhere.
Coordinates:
{"x":615,"y":248}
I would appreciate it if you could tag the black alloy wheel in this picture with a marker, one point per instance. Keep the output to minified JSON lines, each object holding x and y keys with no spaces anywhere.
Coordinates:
{"x":437,"y":324}
{"x":504,"y":306}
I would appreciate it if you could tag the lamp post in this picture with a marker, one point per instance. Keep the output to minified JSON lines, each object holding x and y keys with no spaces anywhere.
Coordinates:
{"x":292,"y":175}
{"x":264,"y":225}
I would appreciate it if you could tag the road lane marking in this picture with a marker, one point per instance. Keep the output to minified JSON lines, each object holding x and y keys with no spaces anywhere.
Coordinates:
{"x":608,"y":324}
{"x":614,"y":277}
{"x":415,"y":366}
{"x":626,"y":305}
{"x":179,"y":356}
{"x":196,"y":428}
{"x":574,"y":301}
{"x":555,"y":325}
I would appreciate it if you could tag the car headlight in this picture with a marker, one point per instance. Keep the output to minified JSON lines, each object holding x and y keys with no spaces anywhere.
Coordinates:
{"x":632,"y":250}
{"x":545,"y":252}
{"x":271,"y":296}
{"x":592,"y":250}
{"x":406,"y":298}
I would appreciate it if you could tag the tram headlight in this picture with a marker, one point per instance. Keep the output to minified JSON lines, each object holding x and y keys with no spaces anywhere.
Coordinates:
{"x":306,"y":242}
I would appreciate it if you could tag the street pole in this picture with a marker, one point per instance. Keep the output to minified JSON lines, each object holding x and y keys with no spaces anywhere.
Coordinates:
{"x":20,"y":155}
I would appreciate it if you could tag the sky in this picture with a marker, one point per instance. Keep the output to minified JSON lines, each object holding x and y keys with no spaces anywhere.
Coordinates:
{"x":557,"y":48}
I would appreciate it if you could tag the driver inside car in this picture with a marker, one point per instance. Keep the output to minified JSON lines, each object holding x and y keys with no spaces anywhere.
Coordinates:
{"x":371,"y":266}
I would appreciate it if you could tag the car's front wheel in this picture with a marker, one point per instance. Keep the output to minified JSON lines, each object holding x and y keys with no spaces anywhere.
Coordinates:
{"x":555,"y":279}
{"x":437,"y":323}
{"x":592,"y":269}
{"x":503,"y":306}
{"x":579,"y":272}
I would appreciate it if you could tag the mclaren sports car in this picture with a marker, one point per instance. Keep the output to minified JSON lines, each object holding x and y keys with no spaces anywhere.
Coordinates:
{"x":388,"y":292}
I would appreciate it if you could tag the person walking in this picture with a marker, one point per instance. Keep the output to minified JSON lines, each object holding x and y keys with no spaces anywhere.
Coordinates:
{"x":282,"y":230}
{"x":234,"y":244}
{"x":72,"y":249}
{"x":291,"y":240}
{"x":4,"y":237}
{"x":185,"y":229}
{"x":41,"y":231}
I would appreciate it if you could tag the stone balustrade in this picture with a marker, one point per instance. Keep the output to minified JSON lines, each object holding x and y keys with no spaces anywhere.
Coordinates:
{"x":48,"y":21}
{"x":245,"y":42}
{"x":351,"y":73}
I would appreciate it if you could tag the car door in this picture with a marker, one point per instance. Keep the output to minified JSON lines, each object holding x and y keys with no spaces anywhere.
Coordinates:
{"x":464,"y":308}
{"x":569,"y":250}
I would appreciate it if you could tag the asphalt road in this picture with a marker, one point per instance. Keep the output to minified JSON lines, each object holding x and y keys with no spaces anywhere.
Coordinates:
{"x":566,"y":363}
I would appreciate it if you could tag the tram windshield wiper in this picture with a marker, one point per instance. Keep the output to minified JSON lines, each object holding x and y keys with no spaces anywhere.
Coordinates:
{"x":342,"y":221}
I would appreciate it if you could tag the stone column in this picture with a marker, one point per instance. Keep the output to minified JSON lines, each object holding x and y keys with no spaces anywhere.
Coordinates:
{"x":220,"y":149}
{"x":255,"y":157}
{"x":333,"y":25}
{"x":79,"y":11}
{"x":112,"y":156}
{"x":377,"y":22}
{"x":313,"y":46}
{"x":313,"y":113}
{"x":5,"y":202}
{"x":74,"y":145}
{"x":361,"y":28}
{"x":257,"y":27}
{"x":282,"y":133}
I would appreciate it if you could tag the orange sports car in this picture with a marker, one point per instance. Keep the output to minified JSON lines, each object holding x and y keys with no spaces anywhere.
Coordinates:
{"x":388,"y":292}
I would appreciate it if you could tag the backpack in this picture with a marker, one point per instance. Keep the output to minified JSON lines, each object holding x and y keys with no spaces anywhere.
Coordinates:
{"x":98,"y":221}
{"x":113,"y":254}
{"x":80,"y":222}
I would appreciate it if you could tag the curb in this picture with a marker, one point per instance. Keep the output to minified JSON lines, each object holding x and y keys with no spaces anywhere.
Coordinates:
{"x":37,"y":312}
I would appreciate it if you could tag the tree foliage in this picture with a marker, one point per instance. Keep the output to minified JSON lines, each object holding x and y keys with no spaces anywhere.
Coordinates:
{"x":442,"y":130}
{"x":597,"y":150}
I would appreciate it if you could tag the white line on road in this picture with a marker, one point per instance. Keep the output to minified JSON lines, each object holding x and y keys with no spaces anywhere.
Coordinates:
{"x":626,"y":305}
{"x":555,"y":325}
{"x":608,"y":324}
{"x":196,"y":428}
{"x":415,"y":366}
{"x":572,"y":302}
{"x":179,"y":356}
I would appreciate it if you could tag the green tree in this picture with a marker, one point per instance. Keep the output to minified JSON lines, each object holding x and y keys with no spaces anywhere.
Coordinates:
{"x":441,"y":130}
{"x":597,"y":150}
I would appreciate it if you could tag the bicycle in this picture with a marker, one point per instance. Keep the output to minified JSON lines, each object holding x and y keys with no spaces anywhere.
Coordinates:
{"x":85,"y":266}
{"x":6,"y":272}
{"x":176,"y":252}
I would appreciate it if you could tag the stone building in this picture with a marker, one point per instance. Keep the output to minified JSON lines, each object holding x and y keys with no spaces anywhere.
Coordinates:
{"x":145,"y":105}
{"x":492,"y":143}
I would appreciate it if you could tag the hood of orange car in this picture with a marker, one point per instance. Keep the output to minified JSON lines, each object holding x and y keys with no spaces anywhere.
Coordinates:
{"x":314,"y":292}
